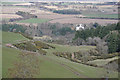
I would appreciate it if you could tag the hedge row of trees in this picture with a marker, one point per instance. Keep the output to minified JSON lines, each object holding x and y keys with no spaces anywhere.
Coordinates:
{"x":25,"y":15}
{"x":68,"y":11}
{"x":109,"y":34}
{"x":84,"y":56}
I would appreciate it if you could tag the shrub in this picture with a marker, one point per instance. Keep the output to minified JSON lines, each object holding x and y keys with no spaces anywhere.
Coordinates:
{"x":40,"y":45}
{"x":26,"y":46}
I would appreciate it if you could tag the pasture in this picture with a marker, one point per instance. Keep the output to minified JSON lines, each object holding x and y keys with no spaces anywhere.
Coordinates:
{"x":101,"y":15}
{"x":51,"y":66}
{"x":32,"y":20}
{"x":47,"y":68}
{"x":102,"y":62}
{"x":84,"y":70}
{"x":9,"y":37}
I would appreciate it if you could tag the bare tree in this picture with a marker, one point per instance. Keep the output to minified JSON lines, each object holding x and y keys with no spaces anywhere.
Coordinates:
{"x":102,"y":47}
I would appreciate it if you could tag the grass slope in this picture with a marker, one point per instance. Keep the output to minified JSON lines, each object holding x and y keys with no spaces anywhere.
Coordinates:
{"x":68,"y":48}
{"x":102,"y":62}
{"x":88,"y":71}
{"x":49,"y":66}
{"x":33,"y":20}
{"x":9,"y":55}
{"x":9,"y":37}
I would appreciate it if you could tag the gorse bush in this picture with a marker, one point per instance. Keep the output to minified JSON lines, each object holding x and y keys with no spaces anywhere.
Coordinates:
{"x":34,"y":46}
{"x":40,"y":45}
{"x":26,"y":46}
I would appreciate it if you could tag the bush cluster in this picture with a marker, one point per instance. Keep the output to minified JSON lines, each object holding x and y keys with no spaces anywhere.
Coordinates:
{"x":68,"y":11}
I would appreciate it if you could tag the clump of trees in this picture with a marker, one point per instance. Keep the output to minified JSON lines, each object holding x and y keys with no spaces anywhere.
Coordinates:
{"x":13,"y":28}
{"x":25,"y":15}
{"x":28,"y":66}
{"x":62,"y":31}
{"x":68,"y":11}
{"x":100,"y":36}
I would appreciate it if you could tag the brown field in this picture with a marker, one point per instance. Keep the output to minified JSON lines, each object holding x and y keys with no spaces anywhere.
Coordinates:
{"x":24,"y":24}
{"x":53,"y":17}
{"x":13,"y":10}
{"x":83,"y":21}
{"x":4,"y":16}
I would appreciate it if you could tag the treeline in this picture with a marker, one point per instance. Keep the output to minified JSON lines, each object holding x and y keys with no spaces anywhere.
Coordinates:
{"x":62,"y":31}
{"x":25,"y":15}
{"x":13,"y":28}
{"x":68,"y":11}
{"x":109,"y":34}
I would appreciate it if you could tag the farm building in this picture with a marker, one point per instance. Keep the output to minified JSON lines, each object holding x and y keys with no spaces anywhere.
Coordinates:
{"x":79,"y":27}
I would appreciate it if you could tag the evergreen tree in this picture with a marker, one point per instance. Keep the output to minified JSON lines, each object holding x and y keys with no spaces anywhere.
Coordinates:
{"x":112,"y":40}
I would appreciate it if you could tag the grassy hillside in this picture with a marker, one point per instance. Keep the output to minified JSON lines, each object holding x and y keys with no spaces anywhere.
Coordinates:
{"x":47,"y":68}
{"x":9,"y":55}
{"x":33,"y":20}
{"x":84,"y":70}
{"x":51,"y":66}
{"x":68,"y":48}
{"x":9,"y":37}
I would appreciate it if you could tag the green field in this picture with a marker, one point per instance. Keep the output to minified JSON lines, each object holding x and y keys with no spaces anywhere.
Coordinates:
{"x":101,"y":15}
{"x":9,"y":37}
{"x":9,"y":55}
{"x":88,"y":71}
{"x":33,"y":20}
{"x":50,"y":65}
{"x":102,"y":62}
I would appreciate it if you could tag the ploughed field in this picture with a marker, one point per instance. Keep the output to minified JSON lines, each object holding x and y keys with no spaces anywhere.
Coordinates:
{"x":9,"y":12}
